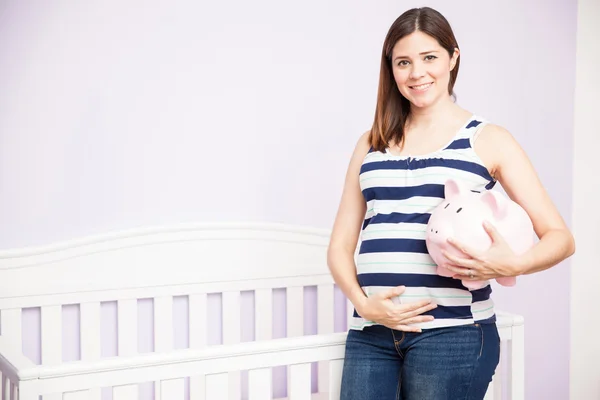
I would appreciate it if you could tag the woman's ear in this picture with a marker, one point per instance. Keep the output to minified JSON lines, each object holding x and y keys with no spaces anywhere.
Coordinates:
{"x":454,"y":58}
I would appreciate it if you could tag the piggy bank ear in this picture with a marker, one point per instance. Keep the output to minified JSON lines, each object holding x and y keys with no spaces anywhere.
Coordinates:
{"x":497,"y":202}
{"x":452,"y":189}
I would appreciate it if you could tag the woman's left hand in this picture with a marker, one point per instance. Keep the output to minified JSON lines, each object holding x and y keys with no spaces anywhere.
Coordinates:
{"x":497,"y":261}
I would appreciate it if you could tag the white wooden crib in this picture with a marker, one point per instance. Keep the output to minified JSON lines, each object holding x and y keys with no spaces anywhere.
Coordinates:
{"x":250,"y":270}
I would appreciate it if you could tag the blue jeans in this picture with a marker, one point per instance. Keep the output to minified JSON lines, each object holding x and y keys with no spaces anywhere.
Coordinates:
{"x":455,"y":363}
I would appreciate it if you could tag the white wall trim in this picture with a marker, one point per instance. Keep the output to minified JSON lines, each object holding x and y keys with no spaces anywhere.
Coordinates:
{"x":585,"y":273}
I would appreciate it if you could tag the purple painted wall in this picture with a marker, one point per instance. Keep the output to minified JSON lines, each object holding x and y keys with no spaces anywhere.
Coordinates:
{"x":115,"y":116}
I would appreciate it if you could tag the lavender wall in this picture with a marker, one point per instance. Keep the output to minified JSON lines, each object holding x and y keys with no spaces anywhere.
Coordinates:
{"x":115,"y":115}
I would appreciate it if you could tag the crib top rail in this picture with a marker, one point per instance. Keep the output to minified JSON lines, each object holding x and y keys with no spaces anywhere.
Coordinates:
{"x":218,"y":257}
{"x":212,"y":360}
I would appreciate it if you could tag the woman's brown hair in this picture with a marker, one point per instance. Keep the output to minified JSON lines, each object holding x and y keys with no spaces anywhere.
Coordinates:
{"x":392,"y":108}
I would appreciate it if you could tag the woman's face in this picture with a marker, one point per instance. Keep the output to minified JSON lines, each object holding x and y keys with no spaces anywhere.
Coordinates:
{"x":422,"y":68}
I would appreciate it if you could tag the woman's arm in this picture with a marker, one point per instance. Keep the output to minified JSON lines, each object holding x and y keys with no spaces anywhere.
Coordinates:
{"x":513,"y":169}
{"x":346,"y":228}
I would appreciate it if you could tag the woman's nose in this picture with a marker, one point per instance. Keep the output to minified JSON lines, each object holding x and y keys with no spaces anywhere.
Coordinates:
{"x":417,"y":71}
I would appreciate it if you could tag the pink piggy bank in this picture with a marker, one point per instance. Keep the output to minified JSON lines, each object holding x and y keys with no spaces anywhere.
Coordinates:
{"x":461,"y":216}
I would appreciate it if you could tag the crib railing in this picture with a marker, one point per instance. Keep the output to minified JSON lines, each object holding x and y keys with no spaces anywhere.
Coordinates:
{"x":209,"y":369}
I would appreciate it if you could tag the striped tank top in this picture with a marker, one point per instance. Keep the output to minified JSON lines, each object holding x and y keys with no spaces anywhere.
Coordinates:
{"x":400,"y":193}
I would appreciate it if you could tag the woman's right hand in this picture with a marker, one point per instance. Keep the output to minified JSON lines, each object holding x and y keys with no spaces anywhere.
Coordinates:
{"x":380,"y":309}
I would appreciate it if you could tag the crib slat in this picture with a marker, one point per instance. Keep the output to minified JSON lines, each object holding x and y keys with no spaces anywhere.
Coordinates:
{"x":78,"y":395}
{"x":198,"y":387}
{"x":90,"y":338}
{"x":325,"y":317}
{"x":295,"y":311}
{"x":15,"y":391}
{"x":125,"y":392}
{"x":231,"y":335}
{"x":5,"y":387}
{"x":197,"y":334}
{"x":263,"y":314}
{"x":172,"y":389}
{"x":235,"y":385}
{"x":517,"y":362}
{"x":497,"y":389}
{"x":90,"y":330}
{"x":259,"y":384}
{"x":294,"y":317}
{"x":51,"y":320}
{"x":11,"y":325}
{"x":498,"y":377}
{"x":163,"y":337}
{"x":127,"y":327}
{"x":197,"y":318}
{"x":163,"y":323}
{"x":335,"y":378}
{"x":299,"y":379}
{"x":217,"y":387}
{"x":51,"y":317}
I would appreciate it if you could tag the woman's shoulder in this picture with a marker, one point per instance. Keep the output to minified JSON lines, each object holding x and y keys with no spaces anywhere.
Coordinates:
{"x":363,"y":144}
{"x":494,"y":144}
{"x":361,"y":149}
{"x":494,"y":134}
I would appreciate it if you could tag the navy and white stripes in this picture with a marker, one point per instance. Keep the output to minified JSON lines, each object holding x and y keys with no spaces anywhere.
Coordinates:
{"x":401,"y":192}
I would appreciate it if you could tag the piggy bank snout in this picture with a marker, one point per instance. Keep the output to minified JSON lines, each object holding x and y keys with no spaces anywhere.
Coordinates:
{"x":439,"y":233}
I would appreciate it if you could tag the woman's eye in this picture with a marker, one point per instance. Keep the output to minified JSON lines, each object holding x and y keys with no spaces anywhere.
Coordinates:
{"x":404,"y":63}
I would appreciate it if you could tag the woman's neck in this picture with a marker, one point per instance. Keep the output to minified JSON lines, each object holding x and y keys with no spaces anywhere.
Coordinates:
{"x":435,"y":114}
